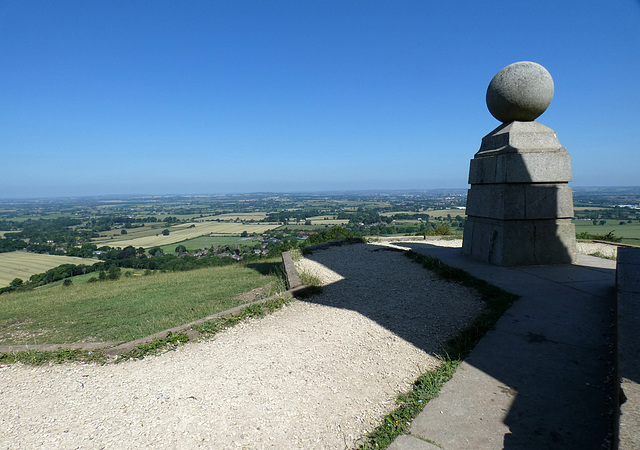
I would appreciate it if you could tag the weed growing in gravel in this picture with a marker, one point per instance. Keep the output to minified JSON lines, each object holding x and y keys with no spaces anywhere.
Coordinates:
{"x":173,"y":340}
{"x":250,"y":312}
{"x":428,"y":385}
{"x":601,"y":255}
{"x":59,"y":356}
{"x":309,"y":279}
{"x":424,"y":389}
{"x":170,"y":342}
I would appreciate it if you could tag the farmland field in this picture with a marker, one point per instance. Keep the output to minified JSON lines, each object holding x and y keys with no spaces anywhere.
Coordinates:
{"x":431,"y":212}
{"x":23,"y":264}
{"x":106,"y":237}
{"x":629,"y":232}
{"x":257,"y":216}
{"x":198,"y":229}
{"x":327,"y":220}
{"x":207,"y":242}
{"x":444,"y":212}
{"x":392,"y":213}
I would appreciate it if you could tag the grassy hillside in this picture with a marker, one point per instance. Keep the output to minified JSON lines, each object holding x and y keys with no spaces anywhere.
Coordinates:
{"x":128,"y":308}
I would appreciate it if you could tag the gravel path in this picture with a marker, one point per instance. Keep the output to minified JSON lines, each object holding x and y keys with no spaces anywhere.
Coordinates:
{"x":320,"y":373}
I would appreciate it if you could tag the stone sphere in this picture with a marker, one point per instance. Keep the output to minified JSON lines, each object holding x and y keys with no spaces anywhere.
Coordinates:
{"x":521,"y":91}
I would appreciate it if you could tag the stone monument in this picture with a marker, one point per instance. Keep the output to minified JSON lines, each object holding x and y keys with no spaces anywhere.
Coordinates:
{"x":520,"y":205}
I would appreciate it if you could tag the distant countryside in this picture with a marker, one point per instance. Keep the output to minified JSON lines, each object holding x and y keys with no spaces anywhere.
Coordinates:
{"x":173,"y":232}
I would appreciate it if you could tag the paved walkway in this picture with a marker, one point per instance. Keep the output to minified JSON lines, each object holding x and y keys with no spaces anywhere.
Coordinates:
{"x":543,"y":378}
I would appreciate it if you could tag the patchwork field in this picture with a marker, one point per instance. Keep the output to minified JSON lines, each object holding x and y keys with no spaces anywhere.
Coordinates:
{"x":327,"y":220}
{"x":207,"y":242}
{"x":23,"y":264}
{"x":257,"y":216}
{"x":444,"y":212}
{"x":194,"y":230}
{"x":431,"y":213}
{"x":629,"y":232}
{"x":132,"y":233}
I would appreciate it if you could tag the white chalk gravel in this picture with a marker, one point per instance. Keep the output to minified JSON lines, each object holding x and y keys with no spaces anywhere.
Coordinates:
{"x":319,"y":374}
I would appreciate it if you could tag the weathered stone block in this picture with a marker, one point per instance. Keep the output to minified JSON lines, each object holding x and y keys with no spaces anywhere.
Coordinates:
{"x":516,"y":156}
{"x":520,"y":242}
{"x":542,"y":167}
{"x":548,"y":201}
{"x":520,"y":201}
{"x":628,"y":270}
{"x":520,"y":137}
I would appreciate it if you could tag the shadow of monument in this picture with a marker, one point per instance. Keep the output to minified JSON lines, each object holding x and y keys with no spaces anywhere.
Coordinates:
{"x":536,"y":350}
{"x":405,"y":311}
{"x":519,"y":211}
{"x":549,"y":348}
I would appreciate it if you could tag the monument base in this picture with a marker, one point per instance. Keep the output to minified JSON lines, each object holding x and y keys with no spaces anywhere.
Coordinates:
{"x":520,"y":242}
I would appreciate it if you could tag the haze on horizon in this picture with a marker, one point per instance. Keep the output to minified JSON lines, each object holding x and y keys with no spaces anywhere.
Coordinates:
{"x":207,"y":97}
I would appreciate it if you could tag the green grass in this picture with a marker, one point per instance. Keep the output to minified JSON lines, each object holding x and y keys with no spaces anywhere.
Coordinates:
{"x":59,"y":356}
{"x":126,"y":309}
{"x":209,"y":328}
{"x":428,"y":385}
{"x":309,"y":279}
{"x":254,"y":311}
{"x":629,"y":232}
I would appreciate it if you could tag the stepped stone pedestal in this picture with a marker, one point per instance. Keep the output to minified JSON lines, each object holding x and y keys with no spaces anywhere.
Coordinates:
{"x":519,"y":206}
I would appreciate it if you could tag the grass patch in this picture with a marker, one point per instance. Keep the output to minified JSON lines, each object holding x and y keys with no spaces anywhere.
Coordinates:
{"x":170,"y":342}
{"x":155,"y":347}
{"x":427,"y":386}
{"x":309,"y":279}
{"x":209,"y":328}
{"x":127,"y":309}
{"x":254,"y":311}
{"x":59,"y":356}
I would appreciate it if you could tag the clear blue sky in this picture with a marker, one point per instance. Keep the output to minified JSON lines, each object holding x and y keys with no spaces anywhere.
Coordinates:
{"x":178,"y":97}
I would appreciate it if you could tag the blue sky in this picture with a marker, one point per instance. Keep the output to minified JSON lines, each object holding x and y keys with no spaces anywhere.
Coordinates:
{"x":197,"y":97}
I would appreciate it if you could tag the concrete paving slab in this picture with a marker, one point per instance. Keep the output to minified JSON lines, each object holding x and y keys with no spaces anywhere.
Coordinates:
{"x":407,"y":442}
{"x":459,"y":417}
{"x":629,"y":417}
{"x":628,"y":283}
{"x":543,"y":378}
{"x":566,"y":273}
